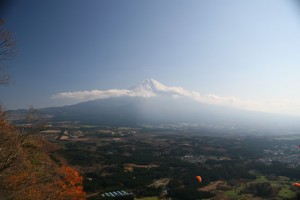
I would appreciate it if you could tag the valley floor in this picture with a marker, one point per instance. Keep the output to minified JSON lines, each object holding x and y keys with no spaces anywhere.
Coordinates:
{"x":160,"y":162}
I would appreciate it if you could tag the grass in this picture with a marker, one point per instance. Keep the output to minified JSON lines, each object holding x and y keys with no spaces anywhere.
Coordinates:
{"x":89,"y":126}
{"x":232,"y":194}
{"x":147,"y":198}
{"x":281,"y":182}
{"x":283,"y":178}
{"x":281,"y":187}
{"x":286,"y":193}
{"x":275,"y":184}
{"x":261,"y":179}
{"x":240,"y":188}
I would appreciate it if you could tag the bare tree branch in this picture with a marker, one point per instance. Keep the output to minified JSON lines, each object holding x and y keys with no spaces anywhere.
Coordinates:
{"x":7,"y":51}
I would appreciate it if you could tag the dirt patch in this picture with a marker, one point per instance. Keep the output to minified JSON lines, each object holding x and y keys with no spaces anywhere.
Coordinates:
{"x":160,"y":183}
{"x":129,"y":167}
{"x":212,"y":186}
{"x":79,"y":139}
{"x":50,"y":131}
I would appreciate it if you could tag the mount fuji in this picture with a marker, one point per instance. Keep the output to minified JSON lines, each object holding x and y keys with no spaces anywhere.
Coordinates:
{"x":148,"y":88}
{"x":151,"y":102}
{"x":151,"y":87}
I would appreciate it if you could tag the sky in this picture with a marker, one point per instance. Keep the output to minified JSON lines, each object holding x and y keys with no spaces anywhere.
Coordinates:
{"x":244,"y":50}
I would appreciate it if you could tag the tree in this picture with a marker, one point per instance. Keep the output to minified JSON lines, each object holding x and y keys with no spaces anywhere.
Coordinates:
{"x":7,"y":51}
{"x":35,"y":121}
{"x":71,"y":184}
{"x":10,"y":145}
{"x":28,"y":170}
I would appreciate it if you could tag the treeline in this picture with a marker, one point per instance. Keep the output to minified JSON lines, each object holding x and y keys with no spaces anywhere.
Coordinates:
{"x":277,"y":168}
{"x":28,"y":170}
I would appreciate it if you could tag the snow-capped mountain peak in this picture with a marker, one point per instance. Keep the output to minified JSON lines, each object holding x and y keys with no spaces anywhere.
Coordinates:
{"x":150,"y":86}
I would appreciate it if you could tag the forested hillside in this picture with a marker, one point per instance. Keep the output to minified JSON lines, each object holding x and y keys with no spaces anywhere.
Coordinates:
{"x":30,"y":170}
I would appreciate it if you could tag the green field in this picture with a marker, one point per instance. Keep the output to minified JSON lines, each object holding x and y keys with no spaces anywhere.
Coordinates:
{"x":286,"y":193}
{"x":232,"y":194}
{"x":147,"y":198}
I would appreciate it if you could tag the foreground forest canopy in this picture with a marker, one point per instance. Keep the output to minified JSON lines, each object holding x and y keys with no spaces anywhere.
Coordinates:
{"x":30,"y":170}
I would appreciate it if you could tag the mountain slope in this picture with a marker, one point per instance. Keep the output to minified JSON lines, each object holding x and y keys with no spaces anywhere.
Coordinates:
{"x":153,"y":102}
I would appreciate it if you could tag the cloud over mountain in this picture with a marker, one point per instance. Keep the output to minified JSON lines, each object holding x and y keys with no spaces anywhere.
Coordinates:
{"x":151,"y":88}
{"x":93,"y":94}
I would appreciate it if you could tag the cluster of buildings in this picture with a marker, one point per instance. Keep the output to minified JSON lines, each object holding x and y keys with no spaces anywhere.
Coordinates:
{"x":202,"y":158}
{"x":117,"y":132}
{"x":288,"y":154}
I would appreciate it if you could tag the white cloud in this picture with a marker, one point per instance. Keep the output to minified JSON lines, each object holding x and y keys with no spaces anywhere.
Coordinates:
{"x":97,"y":94}
{"x":284,"y":106}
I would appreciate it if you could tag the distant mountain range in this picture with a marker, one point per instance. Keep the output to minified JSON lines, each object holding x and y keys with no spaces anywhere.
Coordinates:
{"x":154,"y":103}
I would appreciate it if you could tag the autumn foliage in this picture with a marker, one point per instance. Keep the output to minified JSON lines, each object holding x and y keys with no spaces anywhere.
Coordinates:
{"x":28,"y":172}
{"x":71,"y":184}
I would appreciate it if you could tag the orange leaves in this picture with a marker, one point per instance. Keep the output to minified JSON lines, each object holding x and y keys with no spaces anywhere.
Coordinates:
{"x":45,"y":180}
{"x":28,"y":172}
{"x":17,"y":178}
{"x":72,"y":176}
{"x":71,"y":184}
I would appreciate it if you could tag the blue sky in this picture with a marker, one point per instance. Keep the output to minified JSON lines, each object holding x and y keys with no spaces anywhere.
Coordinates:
{"x":248,"y":50}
